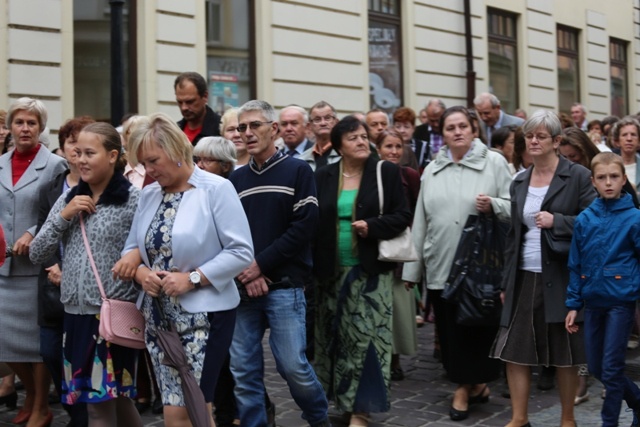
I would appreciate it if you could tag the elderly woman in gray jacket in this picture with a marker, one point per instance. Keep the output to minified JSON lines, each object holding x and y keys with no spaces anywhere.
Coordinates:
{"x":24,"y":171}
{"x":546,"y":198}
{"x":464,"y":179}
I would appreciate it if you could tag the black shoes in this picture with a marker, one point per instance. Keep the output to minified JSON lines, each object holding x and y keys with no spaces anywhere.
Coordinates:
{"x":397,"y":374}
{"x":11,"y":400}
{"x":457,"y":415}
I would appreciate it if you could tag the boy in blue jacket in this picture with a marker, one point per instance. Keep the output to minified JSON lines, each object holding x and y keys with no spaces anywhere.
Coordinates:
{"x":605,"y":279}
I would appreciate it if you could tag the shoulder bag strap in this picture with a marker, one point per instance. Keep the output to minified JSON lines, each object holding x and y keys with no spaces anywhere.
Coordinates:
{"x":380,"y":190}
{"x":93,"y":263}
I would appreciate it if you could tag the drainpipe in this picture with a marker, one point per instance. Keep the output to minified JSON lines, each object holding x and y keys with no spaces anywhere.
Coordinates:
{"x":117,"y":64}
{"x":468,"y":38}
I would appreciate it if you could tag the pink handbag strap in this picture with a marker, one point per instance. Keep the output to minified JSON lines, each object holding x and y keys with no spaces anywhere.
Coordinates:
{"x":93,"y":263}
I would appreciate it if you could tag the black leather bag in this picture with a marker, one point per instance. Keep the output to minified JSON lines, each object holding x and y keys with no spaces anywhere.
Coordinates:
{"x":476,"y":272}
{"x":558,"y":245}
{"x":52,"y":310}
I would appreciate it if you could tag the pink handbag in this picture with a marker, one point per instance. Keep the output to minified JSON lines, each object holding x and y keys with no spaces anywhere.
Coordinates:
{"x":121,"y":322}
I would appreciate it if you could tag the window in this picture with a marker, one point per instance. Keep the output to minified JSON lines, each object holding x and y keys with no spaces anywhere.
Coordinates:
{"x":619,"y":80}
{"x":503,"y":58}
{"x":390,"y":7}
{"x":568,"y":68}
{"x":385,"y":55}
{"x":92,"y":58}
{"x":214,"y":23}
{"x":229,"y":57}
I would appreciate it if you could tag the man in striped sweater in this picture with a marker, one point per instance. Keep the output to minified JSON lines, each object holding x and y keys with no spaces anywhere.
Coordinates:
{"x":279,"y":197}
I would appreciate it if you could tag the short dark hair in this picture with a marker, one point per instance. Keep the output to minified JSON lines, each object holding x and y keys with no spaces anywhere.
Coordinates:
{"x":73,"y":127}
{"x":457,"y":109}
{"x":198,"y":81}
{"x":500,"y":135}
{"x":345,"y":125}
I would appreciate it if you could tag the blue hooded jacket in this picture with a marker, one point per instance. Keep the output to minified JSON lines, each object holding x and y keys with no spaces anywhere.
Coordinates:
{"x":605,"y":254}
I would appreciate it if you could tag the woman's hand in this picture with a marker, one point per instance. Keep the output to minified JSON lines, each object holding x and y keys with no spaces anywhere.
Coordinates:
{"x":544,"y":219}
{"x":409,"y":285}
{"x":150,"y":281}
{"x":78,"y":204}
{"x":483,"y":204}
{"x":502,"y":295}
{"x":21,"y":246}
{"x":54,"y":274}
{"x":126,"y":266}
{"x":175,"y":284}
{"x":570,"y":322}
{"x":361,"y":228}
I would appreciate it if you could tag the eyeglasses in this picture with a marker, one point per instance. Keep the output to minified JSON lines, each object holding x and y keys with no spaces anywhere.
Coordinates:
{"x":318,"y":120}
{"x":205,"y":160}
{"x":242,"y":127}
{"x":538,"y":136}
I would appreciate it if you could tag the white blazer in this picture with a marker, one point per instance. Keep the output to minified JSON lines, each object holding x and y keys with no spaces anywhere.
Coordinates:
{"x":211,"y":233}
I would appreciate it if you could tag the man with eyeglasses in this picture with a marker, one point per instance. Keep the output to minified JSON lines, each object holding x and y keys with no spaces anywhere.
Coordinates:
{"x":491,"y":115}
{"x":430,"y":130}
{"x":322,"y":118}
{"x":294,"y":121}
{"x":198,"y":120}
{"x":278,"y":194}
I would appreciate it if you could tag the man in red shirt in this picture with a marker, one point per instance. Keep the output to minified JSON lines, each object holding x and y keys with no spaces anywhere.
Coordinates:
{"x":198,"y":120}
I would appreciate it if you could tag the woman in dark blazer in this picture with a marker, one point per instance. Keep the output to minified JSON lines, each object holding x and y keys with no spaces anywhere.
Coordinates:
{"x":354,"y":289}
{"x":545,"y":200}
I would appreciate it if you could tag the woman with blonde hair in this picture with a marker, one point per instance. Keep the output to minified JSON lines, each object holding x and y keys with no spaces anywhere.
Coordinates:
{"x":229,"y":130}
{"x":193,"y":236}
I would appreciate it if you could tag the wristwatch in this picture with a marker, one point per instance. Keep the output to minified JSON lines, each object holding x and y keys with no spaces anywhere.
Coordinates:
{"x":194,"y":279}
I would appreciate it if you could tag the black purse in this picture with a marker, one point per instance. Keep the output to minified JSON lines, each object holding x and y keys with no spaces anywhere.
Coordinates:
{"x":476,"y":273}
{"x":558,"y":245}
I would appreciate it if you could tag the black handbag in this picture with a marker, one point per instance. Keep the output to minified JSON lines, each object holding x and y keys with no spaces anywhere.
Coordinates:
{"x":476,"y":272}
{"x":558,"y":245}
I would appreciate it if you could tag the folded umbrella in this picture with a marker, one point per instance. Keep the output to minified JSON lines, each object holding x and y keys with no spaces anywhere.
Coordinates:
{"x":174,"y":356}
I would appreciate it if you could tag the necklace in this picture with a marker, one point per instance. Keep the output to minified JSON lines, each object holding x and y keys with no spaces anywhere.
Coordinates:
{"x":351,"y":176}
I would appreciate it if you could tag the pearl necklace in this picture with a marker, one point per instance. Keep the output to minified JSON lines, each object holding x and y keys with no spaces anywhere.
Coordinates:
{"x":351,"y":176}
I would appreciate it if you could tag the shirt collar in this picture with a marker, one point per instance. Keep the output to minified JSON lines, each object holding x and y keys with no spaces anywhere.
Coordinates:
{"x":278,"y":155}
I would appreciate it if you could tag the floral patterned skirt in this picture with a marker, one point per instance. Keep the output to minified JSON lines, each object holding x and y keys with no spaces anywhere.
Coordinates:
{"x":95,"y":370}
{"x":205,"y":337}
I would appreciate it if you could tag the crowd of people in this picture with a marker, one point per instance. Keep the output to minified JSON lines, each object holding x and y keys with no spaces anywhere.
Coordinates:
{"x":220,"y":227}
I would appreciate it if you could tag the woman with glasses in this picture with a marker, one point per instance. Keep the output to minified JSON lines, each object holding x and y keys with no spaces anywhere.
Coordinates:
{"x":229,"y":130}
{"x":216,"y":155}
{"x":545,"y":200}
{"x":417,"y":153}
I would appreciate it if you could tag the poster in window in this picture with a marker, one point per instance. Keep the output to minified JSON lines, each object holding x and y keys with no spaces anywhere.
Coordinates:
{"x":223,"y":91}
{"x":385,"y":84}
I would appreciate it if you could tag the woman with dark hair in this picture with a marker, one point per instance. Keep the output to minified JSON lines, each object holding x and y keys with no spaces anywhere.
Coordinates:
{"x":626,"y":136}
{"x":354,"y":288}
{"x":576,"y":146}
{"x":465,"y":179}
{"x":50,"y":310}
{"x":96,"y":372}
{"x":502,"y":139}
{"x":545,"y":199}
{"x":521,"y":159}
{"x":418,"y":152}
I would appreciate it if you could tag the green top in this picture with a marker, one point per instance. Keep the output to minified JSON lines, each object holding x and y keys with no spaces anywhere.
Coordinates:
{"x":347,"y":256}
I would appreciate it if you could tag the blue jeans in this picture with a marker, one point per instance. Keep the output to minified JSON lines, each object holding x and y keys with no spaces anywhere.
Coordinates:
{"x":606,"y":335}
{"x":284,"y":312}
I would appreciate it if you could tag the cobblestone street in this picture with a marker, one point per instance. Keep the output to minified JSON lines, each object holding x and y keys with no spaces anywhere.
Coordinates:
{"x":422,"y":399}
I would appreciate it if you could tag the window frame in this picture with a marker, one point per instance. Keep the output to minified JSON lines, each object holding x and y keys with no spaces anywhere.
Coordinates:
{"x":571,"y":54}
{"x":622,"y":64}
{"x":501,"y":38}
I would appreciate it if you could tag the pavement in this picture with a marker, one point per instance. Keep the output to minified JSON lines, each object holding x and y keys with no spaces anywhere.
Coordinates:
{"x":421,"y":399}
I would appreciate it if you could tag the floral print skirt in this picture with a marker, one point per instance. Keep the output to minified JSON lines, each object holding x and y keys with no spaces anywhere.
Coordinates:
{"x":95,"y":370}
{"x":205,"y":337}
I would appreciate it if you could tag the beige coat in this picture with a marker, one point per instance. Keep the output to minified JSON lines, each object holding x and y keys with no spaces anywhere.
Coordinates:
{"x":447,"y":197}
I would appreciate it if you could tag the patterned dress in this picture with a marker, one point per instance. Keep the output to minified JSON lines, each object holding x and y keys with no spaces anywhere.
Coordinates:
{"x":193,"y":328}
{"x":353,"y":327}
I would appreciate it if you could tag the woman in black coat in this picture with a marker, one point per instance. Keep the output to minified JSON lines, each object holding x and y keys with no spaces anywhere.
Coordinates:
{"x":545,"y":200}
{"x":354,"y":288}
